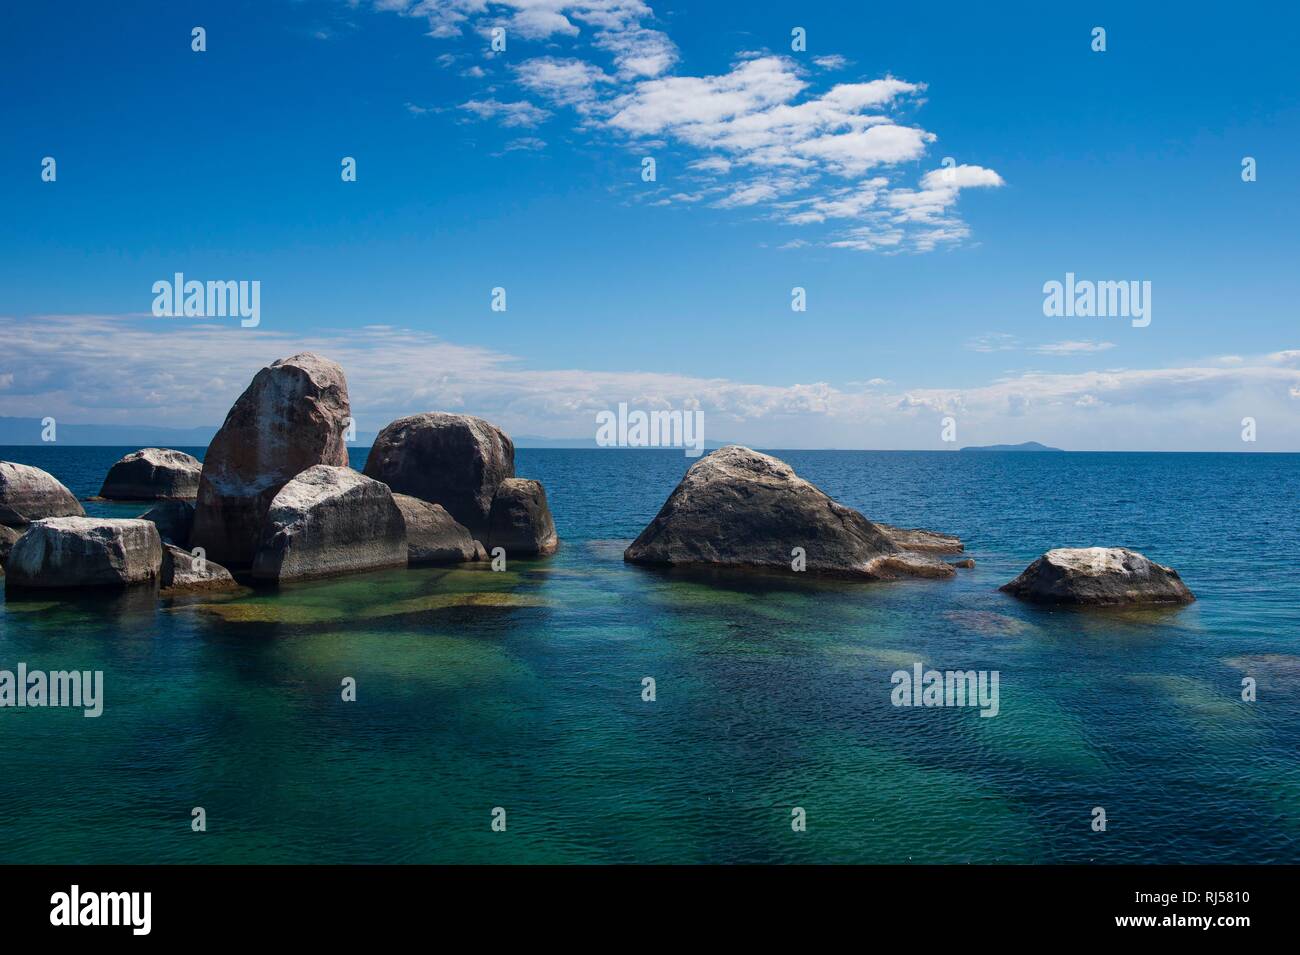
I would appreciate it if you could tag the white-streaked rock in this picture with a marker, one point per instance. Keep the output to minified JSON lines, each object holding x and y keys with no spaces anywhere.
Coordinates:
{"x":85,"y":552}
{"x":1098,"y":577}
{"x":330,"y":520}
{"x":294,"y":415}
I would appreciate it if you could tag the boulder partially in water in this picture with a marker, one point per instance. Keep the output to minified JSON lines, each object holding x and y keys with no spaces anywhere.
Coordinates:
{"x":432,"y":535}
{"x":1098,"y":577}
{"x":185,"y":572}
{"x":29,"y":494}
{"x":153,"y":474}
{"x":175,"y":520}
{"x":740,"y":508}
{"x":330,"y":520}
{"x":84,"y":552}
{"x":521,"y":521}
{"x":454,"y":460}
{"x":293,"y":416}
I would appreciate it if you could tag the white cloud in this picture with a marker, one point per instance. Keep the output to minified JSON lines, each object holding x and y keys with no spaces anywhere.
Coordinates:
{"x":521,"y":113}
{"x":1073,"y":348}
{"x":769,"y":139}
{"x":108,"y":369}
{"x":832,"y":62}
{"x":614,"y":26}
{"x":565,"y":82}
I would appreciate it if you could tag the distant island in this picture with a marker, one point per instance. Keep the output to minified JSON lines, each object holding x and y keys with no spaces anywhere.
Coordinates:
{"x":1027,"y":446}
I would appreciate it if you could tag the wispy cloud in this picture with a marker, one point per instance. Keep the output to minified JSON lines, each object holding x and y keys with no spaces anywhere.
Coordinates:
{"x":521,"y":113}
{"x":112,"y":369}
{"x":1073,"y":348}
{"x":760,"y":133}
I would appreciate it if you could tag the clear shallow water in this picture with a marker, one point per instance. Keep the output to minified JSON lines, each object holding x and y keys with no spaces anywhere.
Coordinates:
{"x":522,"y":689}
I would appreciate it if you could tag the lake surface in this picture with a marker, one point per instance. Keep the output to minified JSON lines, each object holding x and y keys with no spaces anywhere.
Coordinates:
{"x":522,"y":689}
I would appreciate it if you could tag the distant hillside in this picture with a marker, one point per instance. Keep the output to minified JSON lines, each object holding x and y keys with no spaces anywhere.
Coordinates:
{"x":535,"y":441}
{"x":28,"y":431}
{"x":1027,"y":446}
{"x":20,"y":431}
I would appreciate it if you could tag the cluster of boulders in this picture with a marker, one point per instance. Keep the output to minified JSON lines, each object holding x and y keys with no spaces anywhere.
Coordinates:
{"x":738,"y":508}
{"x":274,"y":497}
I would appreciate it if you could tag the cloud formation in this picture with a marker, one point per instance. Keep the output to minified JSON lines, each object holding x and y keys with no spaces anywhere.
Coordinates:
{"x":760,"y":136}
{"x":116,"y":369}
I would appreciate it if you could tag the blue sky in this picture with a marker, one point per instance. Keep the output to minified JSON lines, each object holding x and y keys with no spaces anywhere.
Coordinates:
{"x":775,"y":168}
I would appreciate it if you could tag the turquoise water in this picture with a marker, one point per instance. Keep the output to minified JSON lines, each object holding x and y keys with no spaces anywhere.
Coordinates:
{"x":522,"y":689}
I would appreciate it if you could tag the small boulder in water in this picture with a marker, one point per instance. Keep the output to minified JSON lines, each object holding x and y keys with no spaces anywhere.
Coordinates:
{"x":183,"y":572}
{"x":1098,"y":577}
{"x":153,"y":474}
{"x":29,"y":494}
{"x":68,"y":552}
{"x":521,"y":519}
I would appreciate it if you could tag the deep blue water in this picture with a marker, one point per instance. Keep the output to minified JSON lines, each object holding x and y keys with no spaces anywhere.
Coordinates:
{"x":523,"y":689}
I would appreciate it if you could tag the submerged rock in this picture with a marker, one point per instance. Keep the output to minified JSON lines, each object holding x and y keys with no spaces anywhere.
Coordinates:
{"x":432,"y":535}
{"x":292,"y":417}
{"x":63,"y":552}
{"x":175,"y":520}
{"x":1099,"y":577}
{"x":29,"y":494}
{"x":740,"y":508}
{"x":153,"y":474}
{"x":184,"y":572}
{"x":521,"y":519}
{"x":330,"y":520}
{"x":454,"y":460}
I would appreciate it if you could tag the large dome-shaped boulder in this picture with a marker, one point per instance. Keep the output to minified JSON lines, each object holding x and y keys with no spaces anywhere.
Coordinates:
{"x":432,"y":535}
{"x":1098,"y":577}
{"x":153,"y":474}
{"x":29,"y":494}
{"x":293,"y":416}
{"x":740,"y":508}
{"x":330,"y":520}
{"x":454,"y":460}
{"x":521,"y":520}
{"x":66,"y":552}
